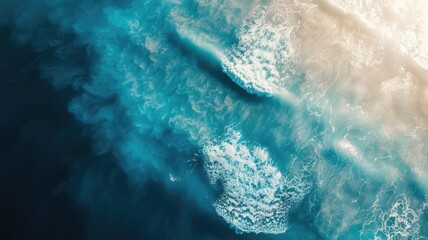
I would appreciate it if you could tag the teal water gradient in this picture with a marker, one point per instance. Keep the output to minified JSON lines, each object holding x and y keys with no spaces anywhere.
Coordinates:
{"x":162,"y":91}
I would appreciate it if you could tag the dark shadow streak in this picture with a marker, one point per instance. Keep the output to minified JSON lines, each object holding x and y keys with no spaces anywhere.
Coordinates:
{"x":211,"y":66}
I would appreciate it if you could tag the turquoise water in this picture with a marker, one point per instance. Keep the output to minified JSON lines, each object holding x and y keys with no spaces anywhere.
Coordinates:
{"x":263,"y":113}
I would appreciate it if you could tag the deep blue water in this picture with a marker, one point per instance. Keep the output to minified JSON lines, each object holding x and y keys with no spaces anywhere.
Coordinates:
{"x":195,"y":120}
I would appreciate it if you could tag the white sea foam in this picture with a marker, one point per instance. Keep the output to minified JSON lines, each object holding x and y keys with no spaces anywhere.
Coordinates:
{"x":256,"y":197}
{"x":395,"y":218}
{"x":262,"y":61}
{"x":400,"y":221}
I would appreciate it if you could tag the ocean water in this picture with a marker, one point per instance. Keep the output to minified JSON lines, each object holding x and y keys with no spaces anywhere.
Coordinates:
{"x":228,"y":119}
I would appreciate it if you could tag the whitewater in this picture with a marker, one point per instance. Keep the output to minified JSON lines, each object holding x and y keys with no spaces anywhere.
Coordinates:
{"x":291,"y":119}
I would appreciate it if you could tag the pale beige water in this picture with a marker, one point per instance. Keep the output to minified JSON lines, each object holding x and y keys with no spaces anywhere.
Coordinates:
{"x":365,"y":61}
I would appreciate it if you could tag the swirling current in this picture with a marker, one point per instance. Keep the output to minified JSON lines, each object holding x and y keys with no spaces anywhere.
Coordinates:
{"x":226,"y":119}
